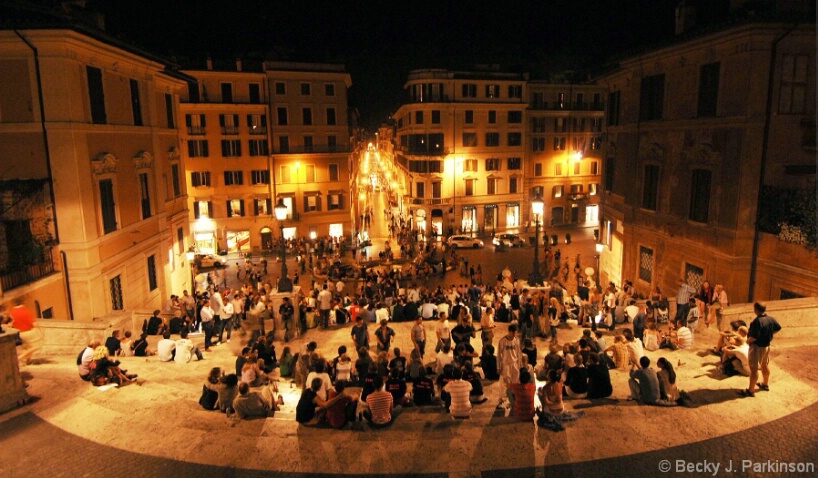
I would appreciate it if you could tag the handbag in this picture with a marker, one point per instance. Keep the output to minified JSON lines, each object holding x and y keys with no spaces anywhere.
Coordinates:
{"x":208,"y":399}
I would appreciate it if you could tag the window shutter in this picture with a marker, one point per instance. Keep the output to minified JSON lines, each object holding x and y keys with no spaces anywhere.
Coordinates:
{"x":236,"y":120}
{"x":238,"y":147}
{"x":188,"y":121}
{"x":264,"y":120}
{"x":340,"y":201}
{"x":205,"y":149}
{"x":195,"y":209}
{"x":227,"y":179}
{"x":225,"y":148}
{"x":318,"y":203}
{"x":306,"y":204}
{"x":241,"y":207}
{"x":202,"y":120}
{"x":210,"y":211}
{"x":249,"y":121}
{"x":221,"y":121}
{"x":255,"y":207}
{"x":269,"y":205}
{"x":190,"y":149}
{"x":229,"y":210}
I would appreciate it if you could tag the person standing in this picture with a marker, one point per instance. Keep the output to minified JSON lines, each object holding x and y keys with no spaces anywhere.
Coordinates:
{"x":487,"y":327}
{"x":286,"y":311}
{"x":509,"y":360}
{"x":384,"y":336}
{"x":683,"y":295}
{"x":228,"y":311}
{"x":760,"y":336}
{"x":419,"y":337}
{"x":208,"y":318}
{"x":324,"y":306}
{"x":31,"y":335}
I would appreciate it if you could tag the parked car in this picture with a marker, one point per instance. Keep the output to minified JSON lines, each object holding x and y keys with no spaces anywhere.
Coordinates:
{"x":462,"y":240}
{"x":210,"y":260}
{"x":508,"y":240}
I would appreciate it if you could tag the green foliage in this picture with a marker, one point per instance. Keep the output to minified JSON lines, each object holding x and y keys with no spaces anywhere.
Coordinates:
{"x":791,"y":214}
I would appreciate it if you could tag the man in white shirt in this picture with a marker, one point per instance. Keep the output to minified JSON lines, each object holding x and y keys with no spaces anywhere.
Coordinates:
{"x":227,"y":321}
{"x":185,"y":349}
{"x":217,"y":303}
{"x":324,"y":300}
{"x":428,"y":310}
{"x":684,"y":337}
{"x":509,"y":360}
{"x":339,"y":288}
{"x":166,"y":348}
{"x":208,"y":318}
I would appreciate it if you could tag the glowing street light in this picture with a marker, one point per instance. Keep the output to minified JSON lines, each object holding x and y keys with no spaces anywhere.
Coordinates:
{"x":537,"y":207}
{"x":284,"y":283}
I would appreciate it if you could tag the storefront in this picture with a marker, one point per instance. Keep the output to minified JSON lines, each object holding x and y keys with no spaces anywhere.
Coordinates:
{"x":238,"y":241}
{"x":468,"y":223}
{"x":512,"y":215}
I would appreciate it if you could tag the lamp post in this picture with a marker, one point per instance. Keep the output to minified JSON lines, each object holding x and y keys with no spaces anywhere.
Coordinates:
{"x":284,"y":283}
{"x":191,"y":256}
{"x":599,"y":248}
{"x":537,"y":206}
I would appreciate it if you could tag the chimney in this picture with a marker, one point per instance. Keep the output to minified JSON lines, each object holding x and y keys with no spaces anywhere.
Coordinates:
{"x":685,"y":17}
{"x":209,"y":63}
{"x":238,"y":64}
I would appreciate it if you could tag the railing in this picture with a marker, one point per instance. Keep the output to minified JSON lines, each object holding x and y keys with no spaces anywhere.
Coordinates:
{"x":28,"y":273}
{"x":230,"y":130}
{"x":196,"y":130}
{"x":429,"y":201}
{"x":258,"y":130}
{"x":567,"y":106}
{"x":322,"y":148}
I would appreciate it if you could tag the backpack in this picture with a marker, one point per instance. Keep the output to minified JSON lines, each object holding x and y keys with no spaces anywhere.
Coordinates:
{"x":208,"y":399}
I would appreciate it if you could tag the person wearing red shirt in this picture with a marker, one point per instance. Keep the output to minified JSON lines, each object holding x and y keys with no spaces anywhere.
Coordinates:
{"x":31,"y":335}
{"x":523,"y":394}
{"x":338,"y":414}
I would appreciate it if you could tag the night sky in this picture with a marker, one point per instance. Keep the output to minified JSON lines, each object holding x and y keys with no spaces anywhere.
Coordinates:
{"x":381,"y":41}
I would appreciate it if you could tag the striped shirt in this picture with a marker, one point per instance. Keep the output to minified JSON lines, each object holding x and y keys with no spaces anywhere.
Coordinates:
{"x":380,"y":405}
{"x":459,"y":391}
{"x":684,"y":293}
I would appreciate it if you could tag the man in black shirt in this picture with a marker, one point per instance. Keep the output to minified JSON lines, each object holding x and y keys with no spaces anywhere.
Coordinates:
{"x":423,"y":389}
{"x":463,"y":332}
{"x":760,"y":336}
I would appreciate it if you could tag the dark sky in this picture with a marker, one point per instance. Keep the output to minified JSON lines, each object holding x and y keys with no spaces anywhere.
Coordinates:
{"x":381,"y":41}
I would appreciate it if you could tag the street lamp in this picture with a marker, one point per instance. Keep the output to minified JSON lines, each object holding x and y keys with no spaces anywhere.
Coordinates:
{"x":537,"y":206}
{"x":599,"y":248}
{"x":191,"y":256}
{"x":284,"y":283}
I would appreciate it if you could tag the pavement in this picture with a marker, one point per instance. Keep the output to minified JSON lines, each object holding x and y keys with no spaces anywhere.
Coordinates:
{"x":72,"y":429}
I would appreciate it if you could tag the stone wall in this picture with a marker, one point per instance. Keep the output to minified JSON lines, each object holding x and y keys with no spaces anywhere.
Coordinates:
{"x":798,"y":317}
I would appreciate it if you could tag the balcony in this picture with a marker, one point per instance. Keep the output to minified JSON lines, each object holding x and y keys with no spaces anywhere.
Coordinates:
{"x":258,"y":130}
{"x":230,"y":130}
{"x":196,"y":130}
{"x":429,"y":201}
{"x":27,"y":273}
{"x":321,"y":148}
{"x":567,"y":106}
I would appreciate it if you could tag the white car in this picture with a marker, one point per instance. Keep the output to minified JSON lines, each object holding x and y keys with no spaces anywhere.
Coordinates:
{"x":210,"y":260}
{"x":508,"y":240}
{"x":462,"y":240}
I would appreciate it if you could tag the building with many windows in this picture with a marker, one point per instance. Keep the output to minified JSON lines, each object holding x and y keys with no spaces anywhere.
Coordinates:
{"x":460,"y":139}
{"x":259,"y":133}
{"x":92,"y":179}
{"x":710,"y":162}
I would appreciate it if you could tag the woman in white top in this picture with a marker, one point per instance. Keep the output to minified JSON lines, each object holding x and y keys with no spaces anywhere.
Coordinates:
{"x":444,"y":333}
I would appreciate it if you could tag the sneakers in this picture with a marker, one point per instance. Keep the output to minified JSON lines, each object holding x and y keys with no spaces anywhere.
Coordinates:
{"x":764,"y":386}
{"x":747,"y":393}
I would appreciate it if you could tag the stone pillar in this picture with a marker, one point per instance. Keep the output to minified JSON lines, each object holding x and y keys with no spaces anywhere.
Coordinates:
{"x":275,"y":300}
{"x":12,"y":390}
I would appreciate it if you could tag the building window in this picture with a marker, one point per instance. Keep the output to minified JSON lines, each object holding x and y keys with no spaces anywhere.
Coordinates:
{"x":418,"y":117}
{"x":309,"y":146}
{"x":577,"y":166}
{"x":229,"y":124}
{"x":652,"y":97}
{"x":515,"y":139}
{"x":560,"y":125}
{"x":700,"y":195}
{"x":107,"y":205}
{"x":558,"y":191}
{"x":283,"y":144}
{"x":646,"y":264}
{"x":492,"y":91}
{"x":332,"y":144}
{"x":175,"y":178}
{"x":193,"y":92}
{"x":437,"y":189}
{"x":152,"y":282}
{"x":468,"y":117}
{"x":305,"y":89}
{"x":592,"y":189}
{"x":512,"y":185}
{"x":259,"y":147}
{"x":470,"y":165}
{"x":96,"y":94}
{"x":180,"y":241}
{"x":538,"y":169}
{"x":613,"y":108}
{"x":115,"y":285}
{"x":559,"y":143}
{"x":255,"y":93}
{"x":136,"y":105}
{"x":793,"y":87}
{"x":514,"y":163}
{"x":259,"y":176}
{"x":469,"y":140}
{"x":334,"y":202}
{"x":469,"y":90}
{"x":202,"y":209}
{"x":171,"y":118}
{"x":493,"y":164}
{"x":492,"y":117}
{"x":281,"y":113}
{"x":491,"y":185}
{"x":515,"y":91}
{"x":280,"y":88}
{"x":594,"y":168}
{"x":576,"y":188}
{"x":694,"y":275}
{"x":196,"y":124}
{"x":227,"y":92}
{"x":233,"y":178}
{"x":515,"y":117}
{"x":538,"y":144}
{"x":145,"y":195}
{"x":334,"y":172}
{"x":331,"y":119}
{"x":609,"y":174}
{"x":492,"y":139}
{"x":309,"y":173}
{"x":538,"y":125}
{"x":200,"y":179}
{"x":286,"y":177}
{"x":420,"y":189}
{"x":231,"y":148}
{"x":257,"y":124}
{"x":235,"y":208}
{"x":197,"y":148}
{"x":435,"y":116}
{"x":708,"y":90}
{"x":329,"y":89}
{"x":262,"y":206}
{"x":470,"y":187}
{"x":650,"y":187}
{"x":306,"y":116}
{"x":312,"y":203}
{"x":557,"y":169}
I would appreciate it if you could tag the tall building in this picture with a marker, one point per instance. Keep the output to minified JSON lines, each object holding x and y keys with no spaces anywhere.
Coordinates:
{"x":91,"y":179}
{"x":711,"y":161}
{"x":259,"y":133}
{"x":460,"y":140}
